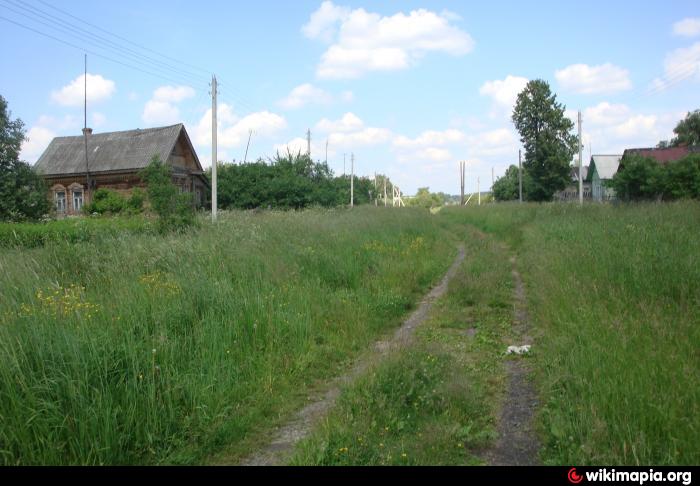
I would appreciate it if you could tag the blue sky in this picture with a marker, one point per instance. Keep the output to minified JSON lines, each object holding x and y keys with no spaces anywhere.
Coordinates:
{"x":409,"y":87}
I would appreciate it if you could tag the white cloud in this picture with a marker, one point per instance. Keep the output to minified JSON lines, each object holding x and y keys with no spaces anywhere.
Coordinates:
{"x":347,"y":123}
{"x":605,"y":114}
{"x":161,"y":109}
{"x":38,"y":138}
{"x":585,"y":79}
{"x":173,"y":94}
{"x":430,"y":138}
{"x":160,"y":113}
{"x":305,"y":94}
{"x":73,"y":94}
{"x":233,"y":131}
{"x":299,"y":145}
{"x":365,"y":41}
{"x":492,"y":143}
{"x":504,"y":92}
{"x":366,"y":136}
{"x":435,"y":154}
{"x":688,"y":27}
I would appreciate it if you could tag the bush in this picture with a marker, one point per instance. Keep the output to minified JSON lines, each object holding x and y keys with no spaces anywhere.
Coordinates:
{"x":640,"y":178}
{"x":175,"y":209}
{"x":683,"y":178}
{"x":135,"y":202}
{"x":106,"y":201}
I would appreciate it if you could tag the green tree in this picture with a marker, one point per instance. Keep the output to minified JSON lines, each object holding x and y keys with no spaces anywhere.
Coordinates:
{"x":22,"y":191}
{"x":682,"y":179}
{"x":546,"y":136}
{"x":426,"y":199}
{"x":688,"y":130}
{"x":507,"y":188}
{"x":639,"y":178}
{"x":175,"y":209}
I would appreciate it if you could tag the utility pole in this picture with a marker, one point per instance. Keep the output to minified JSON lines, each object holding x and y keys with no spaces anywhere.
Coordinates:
{"x":376,"y":201}
{"x":352,"y":179}
{"x":580,"y":162}
{"x":85,"y":136}
{"x":308,"y":142}
{"x":326,"y":151}
{"x":461,"y":182}
{"x":478,"y":191}
{"x":520,"y":177}
{"x":385,"y":190}
{"x":343,"y":165}
{"x":493,"y":182}
{"x":214,"y":157}
{"x":250,"y":134}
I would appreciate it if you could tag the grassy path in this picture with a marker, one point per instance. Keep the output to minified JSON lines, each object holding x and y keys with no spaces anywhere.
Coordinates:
{"x":288,"y":435}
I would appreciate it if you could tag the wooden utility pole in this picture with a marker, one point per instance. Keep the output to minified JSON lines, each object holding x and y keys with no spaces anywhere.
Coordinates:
{"x":352,"y":179}
{"x":580,"y":162}
{"x":520,"y":177}
{"x":376,"y":200}
{"x":85,"y":136}
{"x":478,"y":191}
{"x":384,"y":190}
{"x":461,"y":181}
{"x":308,"y":142}
{"x":493,"y":182}
{"x":250,"y":134}
{"x":214,"y":156}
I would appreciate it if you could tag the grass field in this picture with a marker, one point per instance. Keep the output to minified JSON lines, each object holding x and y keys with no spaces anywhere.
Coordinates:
{"x":129,"y":347}
{"x":614,"y":295}
{"x":151,"y":349}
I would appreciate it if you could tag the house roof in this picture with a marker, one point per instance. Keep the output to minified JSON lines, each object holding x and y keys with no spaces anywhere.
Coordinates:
{"x":574,"y":173}
{"x":663,"y":155}
{"x":111,"y":151}
{"x":605,"y":165}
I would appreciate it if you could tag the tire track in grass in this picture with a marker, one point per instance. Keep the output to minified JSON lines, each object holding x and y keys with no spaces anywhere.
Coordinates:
{"x":287,"y":436}
{"x":517,"y":443}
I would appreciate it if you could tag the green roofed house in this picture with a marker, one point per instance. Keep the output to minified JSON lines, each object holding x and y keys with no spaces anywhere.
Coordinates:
{"x":114,"y":160}
{"x":602,"y":170}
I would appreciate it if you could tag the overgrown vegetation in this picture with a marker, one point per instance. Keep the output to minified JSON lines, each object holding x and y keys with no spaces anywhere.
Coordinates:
{"x":643,"y":178}
{"x":175,"y":209}
{"x":288,"y":182}
{"x":155,"y":348}
{"x":107,"y":201}
{"x":22,"y":191}
{"x":436,"y":402}
{"x":613,"y":296}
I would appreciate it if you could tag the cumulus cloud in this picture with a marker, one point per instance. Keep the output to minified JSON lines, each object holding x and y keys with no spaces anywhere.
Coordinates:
{"x":366,"y":136}
{"x":233,"y":130}
{"x":38,"y":138}
{"x":585,"y":79}
{"x":161,"y":108}
{"x":362,"y":41}
{"x":504,"y":91}
{"x":347,"y":123}
{"x":430,"y":138}
{"x":680,"y":64}
{"x":73,"y":94}
{"x":688,"y":27}
{"x":308,"y":94}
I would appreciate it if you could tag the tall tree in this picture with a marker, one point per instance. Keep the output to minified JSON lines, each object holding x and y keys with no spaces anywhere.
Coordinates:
{"x":688,"y":130}
{"x":507,"y":188}
{"x":22,"y":191}
{"x":546,"y":134}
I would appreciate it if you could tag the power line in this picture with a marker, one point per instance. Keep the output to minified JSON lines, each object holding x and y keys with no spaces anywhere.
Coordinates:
{"x":89,"y":51}
{"x":84,"y":35}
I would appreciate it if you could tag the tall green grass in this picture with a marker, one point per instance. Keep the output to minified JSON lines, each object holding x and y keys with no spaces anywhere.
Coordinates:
{"x":614,"y":296}
{"x":166,"y":349}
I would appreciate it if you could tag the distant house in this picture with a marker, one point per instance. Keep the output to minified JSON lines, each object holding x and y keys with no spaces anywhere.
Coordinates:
{"x":570,"y":193}
{"x":114,"y":160}
{"x":663,"y":156}
{"x":602,"y":170}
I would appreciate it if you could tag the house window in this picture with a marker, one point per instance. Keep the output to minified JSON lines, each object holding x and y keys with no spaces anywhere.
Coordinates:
{"x":60,"y":201}
{"x":77,"y":200}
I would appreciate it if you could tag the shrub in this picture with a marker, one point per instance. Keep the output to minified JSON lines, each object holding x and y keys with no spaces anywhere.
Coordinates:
{"x":135,"y":202}
{"x":106,"y":201}
{"x":683,"y":178}
{"x":640,"y":178}
{"x":175,"y":210}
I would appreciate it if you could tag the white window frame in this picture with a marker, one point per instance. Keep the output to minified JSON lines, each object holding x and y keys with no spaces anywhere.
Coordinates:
{"x":62,"y":200}
{"x":78,"y":207}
